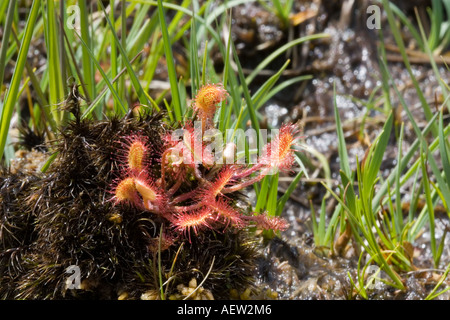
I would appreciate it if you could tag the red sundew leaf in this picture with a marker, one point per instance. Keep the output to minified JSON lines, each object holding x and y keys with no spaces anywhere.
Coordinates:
{"x":134,"y":152}
{"x":136,"y":155}
{"x":223,"y":178}
{"x":125,"y":192}
{"x":206,"y":102}
{"x":186,"y":221}
{"x":146,"y":187}
{"x":279,"y":153}
{"x":153,"y":197}
{"x":228,"y":213}
{"x":209,"y":96}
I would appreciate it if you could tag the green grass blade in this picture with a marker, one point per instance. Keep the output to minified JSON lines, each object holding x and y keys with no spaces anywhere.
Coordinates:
{"x":273,"y":193}
{"x":401,"y":46}
{"x":88,"y":68}
{"x":193,"y":59}
{"x":102,"y":72}
{"x":56,"y":90}
{"x":332,"y":226}
{"x":3,"y":8}
{"x":315,"y":226}
{"x":248,"y":100}
{"x":170,"y":63}
{"x":262,"y":196}
{"x":322,"y":220}
{"x":444,"y":151}
{"x":262,"y":100}
{"x":62,"y":53}
{"x":49,"y":161}
{"x":102,"y":94}
{"x":279,"y":51}
{"x":43,"y":103}
{"x":433,"y":293}
{"x":134,"y":79}
{"x":219,"y":10}
{"x":123,"y":41}
{"x":114,"y":57}
{"x":430,"y":207}
{"x":434,"y":167}
{"x":342,"y":148}
{"x":404,"y":162}
{"x":257,"y":98}
{"x":410,"y":27}
{"x":282,"y":201}
{"x":280,"y":11}
{"x":138,"y":21}
{"x":264,"y":92}
{"x":398,"y":202}
{"x":436,"y":16}
{"x":431,"y":56}
{"x":372,"y":163}
{"x":205,"y":58}
{"x":350,"y":196}
{"x":5,"y":39}
{"x":225,"y":112}
{"x":11,"y":95}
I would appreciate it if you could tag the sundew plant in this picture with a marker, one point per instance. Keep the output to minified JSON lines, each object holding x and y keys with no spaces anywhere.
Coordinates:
{"x":196,"y":168}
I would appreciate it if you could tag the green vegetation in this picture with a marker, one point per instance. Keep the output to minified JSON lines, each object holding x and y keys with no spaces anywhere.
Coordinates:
{"x":372,"y":206}
{"x":113,"y":56}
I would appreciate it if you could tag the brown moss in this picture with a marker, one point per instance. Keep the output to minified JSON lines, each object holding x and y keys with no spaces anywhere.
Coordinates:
{"x":64,"y":218}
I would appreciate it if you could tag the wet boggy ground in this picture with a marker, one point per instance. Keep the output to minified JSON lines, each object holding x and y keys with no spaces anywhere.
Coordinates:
{"x":348,"y":59}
